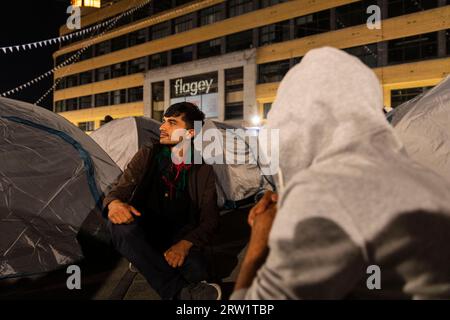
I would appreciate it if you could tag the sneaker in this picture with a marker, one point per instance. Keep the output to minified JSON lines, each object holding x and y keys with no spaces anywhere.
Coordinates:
{"x":132,"y":268}
{"x":201,"y":291}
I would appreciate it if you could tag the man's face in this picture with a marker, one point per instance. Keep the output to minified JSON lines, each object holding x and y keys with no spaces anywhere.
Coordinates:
{"x":168,"y":135}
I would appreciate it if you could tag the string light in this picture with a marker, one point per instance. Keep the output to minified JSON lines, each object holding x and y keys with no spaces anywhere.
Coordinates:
{"x":72,"y":58}
{"x":60,"y":39}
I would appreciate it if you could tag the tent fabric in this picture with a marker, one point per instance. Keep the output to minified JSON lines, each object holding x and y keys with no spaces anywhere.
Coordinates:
{"x":122,"y":138}
{"x":52,"y":179}
{"x":235,"y":181}
{"x":423,"y":125}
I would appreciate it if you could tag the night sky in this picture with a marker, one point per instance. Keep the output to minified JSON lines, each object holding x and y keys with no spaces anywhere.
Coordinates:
{"x":23,"y":22}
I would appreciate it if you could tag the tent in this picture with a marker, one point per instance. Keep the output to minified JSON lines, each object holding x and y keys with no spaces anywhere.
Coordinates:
{"x":52,"y":180}
{"x":122,"y":138}
{"x":236,"y":183}
{"x":423,"y":125}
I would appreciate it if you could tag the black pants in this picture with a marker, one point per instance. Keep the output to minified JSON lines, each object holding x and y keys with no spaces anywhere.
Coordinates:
{"x":133,"y":241}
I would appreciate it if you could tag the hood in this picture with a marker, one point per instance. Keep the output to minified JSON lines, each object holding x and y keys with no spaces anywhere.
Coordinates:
{"x":322,"y":115}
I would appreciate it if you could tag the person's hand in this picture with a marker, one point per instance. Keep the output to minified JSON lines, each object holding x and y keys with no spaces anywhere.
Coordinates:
{"x":258,"y":247}
{"x":176,"y":254}
{"x":121,"y":213}
{"x":262,"y":224}
{"x":267,"y":200}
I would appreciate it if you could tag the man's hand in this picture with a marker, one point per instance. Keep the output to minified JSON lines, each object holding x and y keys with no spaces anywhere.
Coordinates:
{"x":261,"y":218}
{"x":262,"y":224}
{"x":267,"y":200}
{"x":176,"y":254}
{"x":121,"y":213}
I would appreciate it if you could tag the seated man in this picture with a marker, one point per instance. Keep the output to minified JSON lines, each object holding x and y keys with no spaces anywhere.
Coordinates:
{"x":355,"y":217}
{"x":162,"y":214}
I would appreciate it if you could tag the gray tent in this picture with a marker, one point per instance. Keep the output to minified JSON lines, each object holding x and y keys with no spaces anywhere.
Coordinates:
{"x":122,"y":138}
{"x":52,"y":180}
{"x":423,"y":125}
{"x":236,"y":183}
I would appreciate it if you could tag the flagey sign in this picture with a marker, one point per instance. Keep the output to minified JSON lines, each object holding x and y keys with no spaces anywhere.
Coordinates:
{"x":194,"y":85}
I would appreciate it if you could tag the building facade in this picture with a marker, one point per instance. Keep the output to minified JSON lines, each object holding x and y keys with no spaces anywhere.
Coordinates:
{"x":228,"y":57}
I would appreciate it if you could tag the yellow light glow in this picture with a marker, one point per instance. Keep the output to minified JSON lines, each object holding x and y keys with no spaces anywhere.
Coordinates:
{"x":87,"y":3}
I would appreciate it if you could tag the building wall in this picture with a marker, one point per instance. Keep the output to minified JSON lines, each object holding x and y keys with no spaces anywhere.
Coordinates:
{"x":399,"y":76}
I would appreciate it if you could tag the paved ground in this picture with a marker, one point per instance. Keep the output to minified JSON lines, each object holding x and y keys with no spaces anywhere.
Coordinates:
{"x":106,"y":276}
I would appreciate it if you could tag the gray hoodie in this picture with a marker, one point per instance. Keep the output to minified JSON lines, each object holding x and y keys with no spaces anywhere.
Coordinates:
{"x":352,"y":197}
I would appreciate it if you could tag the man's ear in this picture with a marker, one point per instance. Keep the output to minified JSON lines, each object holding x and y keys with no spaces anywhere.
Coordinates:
{"x":191,"y":133}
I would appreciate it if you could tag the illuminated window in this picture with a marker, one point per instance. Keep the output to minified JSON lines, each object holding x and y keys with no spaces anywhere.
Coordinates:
{"x":87,"y":3}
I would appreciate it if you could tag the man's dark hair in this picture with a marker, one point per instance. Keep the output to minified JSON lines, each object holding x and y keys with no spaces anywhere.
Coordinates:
{"x":189,"y":111}
{"x":108,"y":118}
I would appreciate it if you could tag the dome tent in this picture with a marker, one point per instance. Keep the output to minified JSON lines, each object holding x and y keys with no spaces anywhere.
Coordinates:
{"x":236,"y":183}
{"x":121,"y":138}
{"x":52,"y":180}
{"x":423,"y":125}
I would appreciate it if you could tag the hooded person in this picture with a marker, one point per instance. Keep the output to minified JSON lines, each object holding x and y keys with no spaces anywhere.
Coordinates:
{"x":356,"y":217}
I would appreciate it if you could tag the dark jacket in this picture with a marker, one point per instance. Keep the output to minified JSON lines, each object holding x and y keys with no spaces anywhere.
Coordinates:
{"x":133,"y":185}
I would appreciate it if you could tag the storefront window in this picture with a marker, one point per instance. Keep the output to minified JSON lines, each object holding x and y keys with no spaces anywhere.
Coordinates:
{"x":200,"y":90}
{"x":158,"y":100}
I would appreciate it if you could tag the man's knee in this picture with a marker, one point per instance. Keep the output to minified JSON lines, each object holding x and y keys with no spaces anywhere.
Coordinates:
{"x":123,"y":232}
